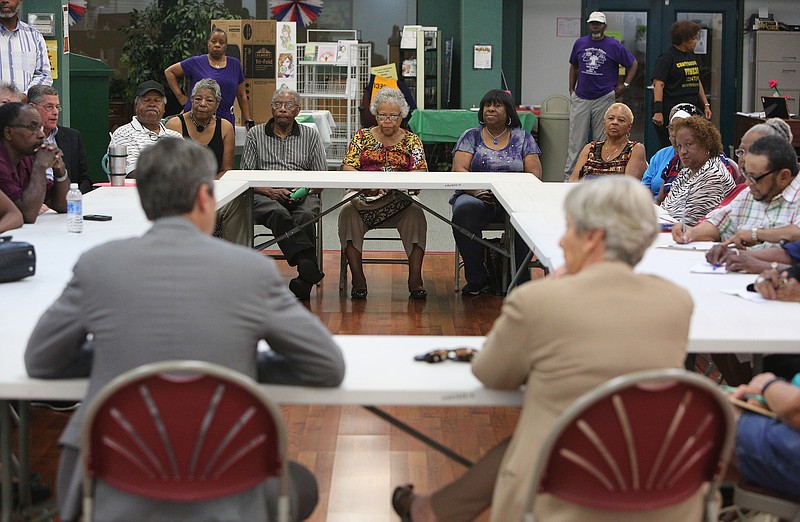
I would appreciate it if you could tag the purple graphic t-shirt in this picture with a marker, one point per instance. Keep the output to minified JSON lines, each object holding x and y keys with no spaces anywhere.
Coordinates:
{"x":598,"y":64}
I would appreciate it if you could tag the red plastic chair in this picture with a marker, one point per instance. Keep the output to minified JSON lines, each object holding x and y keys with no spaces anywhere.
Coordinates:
{"x":639,"y":442}
{"x":183,"y":431}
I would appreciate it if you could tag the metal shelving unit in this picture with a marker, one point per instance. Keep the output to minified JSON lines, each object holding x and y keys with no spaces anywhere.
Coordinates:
{"x":335,"y":86}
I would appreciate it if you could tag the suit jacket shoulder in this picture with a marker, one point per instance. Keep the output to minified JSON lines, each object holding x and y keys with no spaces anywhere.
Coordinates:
{"x":71,"y":144}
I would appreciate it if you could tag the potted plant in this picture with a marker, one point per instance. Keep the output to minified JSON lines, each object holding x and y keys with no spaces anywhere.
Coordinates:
{"x":158,"y":37}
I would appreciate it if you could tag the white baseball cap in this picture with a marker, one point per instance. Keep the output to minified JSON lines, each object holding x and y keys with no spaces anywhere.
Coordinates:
{"x":597,"y":16}
{"x":680,"y":115}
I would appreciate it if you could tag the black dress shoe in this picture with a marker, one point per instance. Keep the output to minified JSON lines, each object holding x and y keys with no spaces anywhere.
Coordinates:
{"x":401,"y":501}
{"x":308,"y":270}
{"x":301,"y":288}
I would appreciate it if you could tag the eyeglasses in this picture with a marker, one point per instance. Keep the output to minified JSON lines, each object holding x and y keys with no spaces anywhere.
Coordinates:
{"x":739,"y":153}
{"x":289,"y":105}
{"x":756,"y":179}
{"x":384,"y":117}
{"x":458,"y":354}
{"x":49,"y":107}
{"x":32,"y":126}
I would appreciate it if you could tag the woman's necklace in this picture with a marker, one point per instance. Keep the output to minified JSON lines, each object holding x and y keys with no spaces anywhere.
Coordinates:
{"x":199,"y":126}
{"x":612,"y":154}
{"x":218,"y":65}
{"x":495,"y":139}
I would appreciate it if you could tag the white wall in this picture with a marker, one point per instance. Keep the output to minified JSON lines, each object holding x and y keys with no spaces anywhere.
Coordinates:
{"x":375,"y":19}
{"x":545,"y":56}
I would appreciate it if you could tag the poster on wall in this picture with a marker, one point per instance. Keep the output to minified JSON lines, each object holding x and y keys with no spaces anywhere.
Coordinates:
{"x":481,"y":56}
{"x":702,"y":42}
{"x":286,"y":53}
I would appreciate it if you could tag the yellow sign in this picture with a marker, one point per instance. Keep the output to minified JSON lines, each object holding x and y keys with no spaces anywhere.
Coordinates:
{"x":52,"y":54}
{"x":387,"y":71}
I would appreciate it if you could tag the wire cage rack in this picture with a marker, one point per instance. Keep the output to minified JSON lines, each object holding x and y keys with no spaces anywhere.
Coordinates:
{"x":332,"y":77}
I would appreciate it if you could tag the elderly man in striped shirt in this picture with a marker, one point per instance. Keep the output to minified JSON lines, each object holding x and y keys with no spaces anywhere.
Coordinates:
{"x":284,"y":144}
{"x":23,"y":53}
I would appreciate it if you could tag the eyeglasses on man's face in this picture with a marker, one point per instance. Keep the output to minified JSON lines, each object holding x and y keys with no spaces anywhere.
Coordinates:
{"x":755,"y":179}
{"x":50,"y":107}
{"x":288,"y":105}
{"x":384,"y":117}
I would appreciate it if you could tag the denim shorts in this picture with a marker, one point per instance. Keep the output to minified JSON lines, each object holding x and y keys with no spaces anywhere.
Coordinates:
{"x":768,"y":454}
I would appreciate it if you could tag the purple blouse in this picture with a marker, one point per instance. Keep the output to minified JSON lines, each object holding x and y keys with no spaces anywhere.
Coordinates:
{"x":508,"y":159}
{"x":229,"y":77}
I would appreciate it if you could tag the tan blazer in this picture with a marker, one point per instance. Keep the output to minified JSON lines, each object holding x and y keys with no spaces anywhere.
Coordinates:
{"x":562,"y":337}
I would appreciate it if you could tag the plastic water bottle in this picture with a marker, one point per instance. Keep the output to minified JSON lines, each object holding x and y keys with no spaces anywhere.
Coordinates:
{"x":74,"y":209}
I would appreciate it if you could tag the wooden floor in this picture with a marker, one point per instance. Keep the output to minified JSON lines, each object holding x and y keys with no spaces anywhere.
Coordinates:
{"x":358,"y":458}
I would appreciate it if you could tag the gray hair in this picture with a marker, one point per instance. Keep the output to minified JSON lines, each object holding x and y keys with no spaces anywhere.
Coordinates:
{"x":285,"y":89}
{"x":11,"y":89}
{"x":773,"y":127}
{"x":389,"y":95}
{"x":37,"y":92}
{"x":619,"y":206}
{"x":211,"y":85}
{"x":169,"y":174}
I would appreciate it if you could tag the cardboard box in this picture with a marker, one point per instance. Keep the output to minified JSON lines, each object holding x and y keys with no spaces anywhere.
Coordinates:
{"x":255,"y":44}
{"x":261,"y":92}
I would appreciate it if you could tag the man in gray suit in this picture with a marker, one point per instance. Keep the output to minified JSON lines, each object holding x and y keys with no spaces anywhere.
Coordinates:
{"x":176,"y":293}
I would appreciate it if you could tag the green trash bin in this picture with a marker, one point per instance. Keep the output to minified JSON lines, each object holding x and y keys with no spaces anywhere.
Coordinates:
{"x":89,"y":80}
{"x":554,"y":136}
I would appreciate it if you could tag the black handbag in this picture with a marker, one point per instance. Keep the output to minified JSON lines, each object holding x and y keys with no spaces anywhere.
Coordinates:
{"x":17,"y":260}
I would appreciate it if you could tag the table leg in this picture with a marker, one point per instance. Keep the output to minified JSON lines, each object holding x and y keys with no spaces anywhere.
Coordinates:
{"x":249,"y":209}
{"x":23,"y":436}
{"x":520,"y":271}
{"x":444,"y":450}
{"x":5,"y":457}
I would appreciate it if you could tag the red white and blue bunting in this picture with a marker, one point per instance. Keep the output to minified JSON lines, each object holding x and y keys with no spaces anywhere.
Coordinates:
{"x":77,"y":10}
{"x":304,"y":12}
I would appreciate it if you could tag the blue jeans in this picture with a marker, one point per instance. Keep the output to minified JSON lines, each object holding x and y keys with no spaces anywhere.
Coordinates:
{"x":474,"y":215}
{"x":768,"y":454}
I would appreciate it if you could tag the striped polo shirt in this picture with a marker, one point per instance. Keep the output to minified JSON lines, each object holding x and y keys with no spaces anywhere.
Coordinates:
{"x":301,"y":150}
{"x":137,"y":137}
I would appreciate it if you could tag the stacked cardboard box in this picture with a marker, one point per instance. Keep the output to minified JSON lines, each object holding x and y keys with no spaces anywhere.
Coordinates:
{"x":267,"y":50}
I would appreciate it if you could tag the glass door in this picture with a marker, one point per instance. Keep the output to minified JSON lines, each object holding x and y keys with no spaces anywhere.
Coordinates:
{"x":647,"y":24}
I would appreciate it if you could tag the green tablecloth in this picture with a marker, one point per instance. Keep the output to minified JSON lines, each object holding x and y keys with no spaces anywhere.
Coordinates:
{"x":447,"y":126}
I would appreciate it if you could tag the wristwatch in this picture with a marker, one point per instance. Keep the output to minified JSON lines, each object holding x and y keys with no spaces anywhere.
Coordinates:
{"x":626,"y":85}
{"x":63,"y":178}
{"x":754,"y":235}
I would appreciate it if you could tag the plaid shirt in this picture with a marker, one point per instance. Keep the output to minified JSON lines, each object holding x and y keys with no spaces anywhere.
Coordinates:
{"x":745,"y":213}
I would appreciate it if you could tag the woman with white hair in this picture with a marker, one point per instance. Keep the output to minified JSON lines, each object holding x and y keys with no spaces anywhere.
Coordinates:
{"x":385,"y":147}
{"x":204,"y":127}
{"x":561,"y":337}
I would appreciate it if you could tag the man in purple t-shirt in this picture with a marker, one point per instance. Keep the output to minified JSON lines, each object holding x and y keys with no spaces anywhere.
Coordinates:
{"x":594,"y":84}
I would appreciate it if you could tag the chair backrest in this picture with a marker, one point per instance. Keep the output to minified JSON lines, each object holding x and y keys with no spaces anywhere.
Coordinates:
{"x":639,"y":442}
{"x":182,"y":431}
